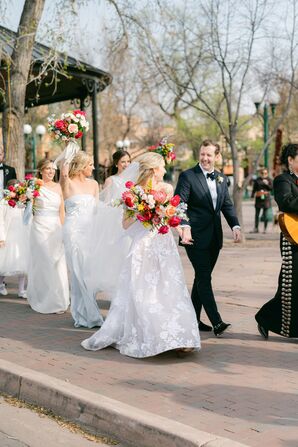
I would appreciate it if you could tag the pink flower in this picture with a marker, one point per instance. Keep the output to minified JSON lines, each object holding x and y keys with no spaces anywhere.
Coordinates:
{"x":129,"y":184}
{"x":73,"y":128}
{"x":11,"y":188}
{"x":12,"y":203}
{"x":159,"y":196}
{"x":128,"y":199}
{"x":173,"y":156}
{"x":145,"y":217}
{"x":164,"y":229}
{"x":35,"y":193}
{"x":175,"y":200}
{"x":28,"y":176}
{"x":174,"y":221}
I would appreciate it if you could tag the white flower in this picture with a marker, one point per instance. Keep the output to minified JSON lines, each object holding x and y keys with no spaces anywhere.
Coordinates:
{"x":220,"y":179}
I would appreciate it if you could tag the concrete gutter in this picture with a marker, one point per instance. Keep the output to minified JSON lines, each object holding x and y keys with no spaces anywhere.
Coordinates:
{"x":130,"y":425}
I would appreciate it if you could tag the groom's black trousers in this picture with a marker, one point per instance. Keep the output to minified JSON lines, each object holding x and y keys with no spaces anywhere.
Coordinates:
{"x":203,"y":262}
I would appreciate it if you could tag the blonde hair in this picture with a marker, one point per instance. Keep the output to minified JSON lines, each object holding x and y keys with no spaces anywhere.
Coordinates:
{"x":79,"y":163}
{"x":147,"y":163}
{"x":42,"y":164}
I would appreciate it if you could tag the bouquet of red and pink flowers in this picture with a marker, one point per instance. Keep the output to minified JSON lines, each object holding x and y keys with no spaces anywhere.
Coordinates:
{"x":152,"y":208}
{"x":165,"y":149}
{"x":22,"y":193}
{"x":70,"y":125}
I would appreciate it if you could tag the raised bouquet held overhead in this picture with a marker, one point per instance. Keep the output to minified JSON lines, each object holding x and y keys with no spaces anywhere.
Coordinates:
{"x":69,"y":128}
{"x":165,"y":149}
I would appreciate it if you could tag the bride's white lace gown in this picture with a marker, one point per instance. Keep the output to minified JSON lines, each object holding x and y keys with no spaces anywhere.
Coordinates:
{"x":80,"y":212}
{"x":151,"y":310}
{"x":47,"y":290}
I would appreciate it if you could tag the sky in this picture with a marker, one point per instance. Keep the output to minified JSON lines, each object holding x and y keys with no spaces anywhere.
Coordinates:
{"x":82,"y":33}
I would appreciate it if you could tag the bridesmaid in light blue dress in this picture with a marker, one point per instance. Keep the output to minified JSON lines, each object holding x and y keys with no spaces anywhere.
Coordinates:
{"x":81,"y":197}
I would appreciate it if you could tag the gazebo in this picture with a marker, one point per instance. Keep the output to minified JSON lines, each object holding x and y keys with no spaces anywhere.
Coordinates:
{"x":68,"y":79}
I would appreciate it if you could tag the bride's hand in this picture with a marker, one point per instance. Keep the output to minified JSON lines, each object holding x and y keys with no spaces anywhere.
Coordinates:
{"x":127,"y":222}
{"x":180,"y":231}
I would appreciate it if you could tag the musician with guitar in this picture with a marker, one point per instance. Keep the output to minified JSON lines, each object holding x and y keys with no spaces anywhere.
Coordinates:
{"x":280,"y":315}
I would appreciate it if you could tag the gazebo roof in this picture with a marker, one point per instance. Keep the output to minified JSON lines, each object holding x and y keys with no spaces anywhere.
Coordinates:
{"x":73,"y":79}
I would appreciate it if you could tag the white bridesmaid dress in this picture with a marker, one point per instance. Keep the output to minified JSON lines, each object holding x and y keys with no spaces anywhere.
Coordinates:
{"x":80,"y":212}
{"x":48,"y":289}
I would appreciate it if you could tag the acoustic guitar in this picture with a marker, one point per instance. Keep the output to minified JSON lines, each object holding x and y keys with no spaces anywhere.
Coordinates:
{"x":289,"y":226}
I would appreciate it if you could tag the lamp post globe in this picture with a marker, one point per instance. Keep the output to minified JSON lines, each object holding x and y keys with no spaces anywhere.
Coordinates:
{"x":40,"y":130}
{"x":27,"y":129}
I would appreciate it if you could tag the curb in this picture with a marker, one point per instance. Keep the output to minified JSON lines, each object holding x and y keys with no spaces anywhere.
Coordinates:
{"x":130,"y":425}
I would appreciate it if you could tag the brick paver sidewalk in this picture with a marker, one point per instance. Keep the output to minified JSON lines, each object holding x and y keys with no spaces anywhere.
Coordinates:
{"x":239,"y":386}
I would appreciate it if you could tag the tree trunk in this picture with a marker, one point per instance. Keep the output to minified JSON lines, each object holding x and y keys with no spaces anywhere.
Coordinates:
{"x":18,"y":71}
{"x":237,"y":188}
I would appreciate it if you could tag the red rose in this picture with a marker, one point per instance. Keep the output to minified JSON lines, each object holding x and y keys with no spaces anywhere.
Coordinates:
{"x":152,"y":148}
{"x":147,"y":216}
{"x":173,"y":156}
{"x":35,"y":193}
{"x":28,"y":177}
{"x":12,"y":203}
{"x":140,"y":218}
{"x":129,"y":184}
{"x":129,"y":202}
{"x":175,"y":200}
{"x":79,"y":112}
{"x":174,"y":221}
{"x":79,"y":134}
{"x":11,"y":188}
{"x":59,"y":124}
{"x":164,"y":229}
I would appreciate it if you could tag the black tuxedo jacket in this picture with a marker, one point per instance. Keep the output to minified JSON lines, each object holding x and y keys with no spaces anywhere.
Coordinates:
{"x":205,"y":221}
{"x":286,"y":192}
{"x":9,"y":173}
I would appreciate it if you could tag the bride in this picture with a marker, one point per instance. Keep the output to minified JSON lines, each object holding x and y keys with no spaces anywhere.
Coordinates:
{"x":151,"y":311}
{"x":80,"y":196}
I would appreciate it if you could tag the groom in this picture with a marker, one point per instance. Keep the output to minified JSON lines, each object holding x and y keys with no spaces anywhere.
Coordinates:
{"x":206,"y":193}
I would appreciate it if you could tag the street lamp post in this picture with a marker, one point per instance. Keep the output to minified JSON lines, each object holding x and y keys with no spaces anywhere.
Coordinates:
{"x":125,"y":144}
{"x":265,"y":117}
{"x":40,"y":131}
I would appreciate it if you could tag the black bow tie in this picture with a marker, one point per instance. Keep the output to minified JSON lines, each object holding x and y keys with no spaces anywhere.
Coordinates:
{"x":211,"y":175}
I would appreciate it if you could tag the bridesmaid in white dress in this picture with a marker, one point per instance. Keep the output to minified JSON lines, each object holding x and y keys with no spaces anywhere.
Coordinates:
{"x":121,"y":160}
{"x":81,"y":196}
{"x":14,"y":245}
{"x":48,"y":290}
{"x":151,"y":310}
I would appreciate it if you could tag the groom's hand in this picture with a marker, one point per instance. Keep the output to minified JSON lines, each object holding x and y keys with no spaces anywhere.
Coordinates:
{"x":237,"y":235}
{"x":186,"y":236}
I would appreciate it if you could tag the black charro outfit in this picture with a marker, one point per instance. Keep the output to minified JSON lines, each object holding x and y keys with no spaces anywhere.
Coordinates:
{"x":280,"y":315}
{"x":206,"y":230}
{"x":262,"y":201}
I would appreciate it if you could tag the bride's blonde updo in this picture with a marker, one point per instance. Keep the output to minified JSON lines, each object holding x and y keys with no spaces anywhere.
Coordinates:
{"x":147,"y":163}
{"x":79,"y":162}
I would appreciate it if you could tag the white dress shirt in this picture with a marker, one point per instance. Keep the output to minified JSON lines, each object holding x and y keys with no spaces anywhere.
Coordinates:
{"x":212,"y":187}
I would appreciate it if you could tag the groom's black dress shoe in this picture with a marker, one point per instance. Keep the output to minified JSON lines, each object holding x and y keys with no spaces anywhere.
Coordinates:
{"x":263,"y":331}
{"x":204,"y":327}
{"x":220,"y":328}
